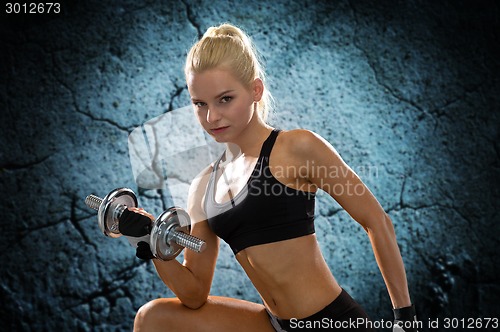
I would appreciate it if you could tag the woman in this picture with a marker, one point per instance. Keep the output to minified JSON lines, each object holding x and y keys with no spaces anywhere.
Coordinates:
{"x":259,"y":197}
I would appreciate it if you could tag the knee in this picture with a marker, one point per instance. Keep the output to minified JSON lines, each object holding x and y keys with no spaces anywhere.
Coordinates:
{"x":156,"y":315}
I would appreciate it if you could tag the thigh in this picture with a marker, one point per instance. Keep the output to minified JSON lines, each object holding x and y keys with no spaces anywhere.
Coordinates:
{"x":217,"y":314}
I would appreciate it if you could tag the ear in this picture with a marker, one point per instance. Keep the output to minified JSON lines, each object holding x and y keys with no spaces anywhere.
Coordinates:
{"x":257,"y":89}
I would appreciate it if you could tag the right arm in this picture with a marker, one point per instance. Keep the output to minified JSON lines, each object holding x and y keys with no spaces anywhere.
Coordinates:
{"x":191,"y":280}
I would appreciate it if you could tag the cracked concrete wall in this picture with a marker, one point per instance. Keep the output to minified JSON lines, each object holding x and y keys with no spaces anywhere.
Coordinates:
{"x":406,"y":91}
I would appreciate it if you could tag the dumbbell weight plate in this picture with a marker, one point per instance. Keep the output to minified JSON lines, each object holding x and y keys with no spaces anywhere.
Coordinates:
{"x":107,"y":215}
{"x":161,"y":244}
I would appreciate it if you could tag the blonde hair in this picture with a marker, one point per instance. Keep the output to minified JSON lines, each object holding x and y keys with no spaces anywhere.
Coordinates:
{"x":228,"y":46}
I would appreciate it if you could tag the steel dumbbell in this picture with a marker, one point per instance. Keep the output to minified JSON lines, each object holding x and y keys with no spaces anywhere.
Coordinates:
{"x":170,"y":234}
{"x":170,"y":231}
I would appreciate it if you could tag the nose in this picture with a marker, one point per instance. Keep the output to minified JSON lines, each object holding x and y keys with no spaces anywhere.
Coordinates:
{"x":213,"y":115}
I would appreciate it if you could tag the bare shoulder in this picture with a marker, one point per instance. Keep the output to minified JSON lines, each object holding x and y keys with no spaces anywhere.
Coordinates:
{"x":301,"y":142}
{"x":196,"y":194}
{"x":201,"y":179}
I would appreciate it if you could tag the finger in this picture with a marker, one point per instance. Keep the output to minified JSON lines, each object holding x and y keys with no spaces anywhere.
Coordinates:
{"x":142,"y":212}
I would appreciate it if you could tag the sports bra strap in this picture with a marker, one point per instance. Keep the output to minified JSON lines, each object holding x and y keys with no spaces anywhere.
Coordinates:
{"x":269,"y":143}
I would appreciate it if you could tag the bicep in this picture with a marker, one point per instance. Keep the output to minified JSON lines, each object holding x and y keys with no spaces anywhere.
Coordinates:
{"x":329,"y":172}
{"x":202,"y":265}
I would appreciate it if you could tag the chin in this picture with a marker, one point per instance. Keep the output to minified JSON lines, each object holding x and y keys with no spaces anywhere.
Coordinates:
{"x":218,"y":138}
{"x":221,"y":137}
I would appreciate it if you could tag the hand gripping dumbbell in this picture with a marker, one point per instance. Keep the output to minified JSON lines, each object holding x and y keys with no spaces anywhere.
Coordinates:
{"x":170,"y":231}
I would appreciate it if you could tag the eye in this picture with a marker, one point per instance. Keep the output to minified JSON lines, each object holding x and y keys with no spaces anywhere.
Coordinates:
{"x":225,"y":99}
{"x":199,"y":104}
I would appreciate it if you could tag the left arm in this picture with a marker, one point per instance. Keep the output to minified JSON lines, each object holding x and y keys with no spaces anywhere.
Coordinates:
{"x":327,"y":171}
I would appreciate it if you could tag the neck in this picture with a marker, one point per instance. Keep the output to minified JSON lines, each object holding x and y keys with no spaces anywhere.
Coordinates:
{"x":250,"y":140}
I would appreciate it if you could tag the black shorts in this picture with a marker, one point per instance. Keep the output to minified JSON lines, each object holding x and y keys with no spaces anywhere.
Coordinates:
{"x":342,"y":314}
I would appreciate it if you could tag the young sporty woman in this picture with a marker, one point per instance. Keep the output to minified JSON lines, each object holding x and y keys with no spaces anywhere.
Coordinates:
{"x":259,"y":197}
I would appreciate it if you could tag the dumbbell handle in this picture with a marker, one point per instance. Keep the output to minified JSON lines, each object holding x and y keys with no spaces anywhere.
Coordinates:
{"x":94,"y":202}
{"x":181,"y":238}
{"x":187,"y":240}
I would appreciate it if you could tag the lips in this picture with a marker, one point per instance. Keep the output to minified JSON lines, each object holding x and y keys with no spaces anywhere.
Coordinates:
{"x":218,"y":130}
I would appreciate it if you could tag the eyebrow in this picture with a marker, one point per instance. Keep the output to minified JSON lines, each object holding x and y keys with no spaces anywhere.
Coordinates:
{"x":216,"y":97}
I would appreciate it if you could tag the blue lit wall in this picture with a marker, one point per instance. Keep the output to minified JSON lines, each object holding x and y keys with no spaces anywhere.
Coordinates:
{"x":407,"y":92}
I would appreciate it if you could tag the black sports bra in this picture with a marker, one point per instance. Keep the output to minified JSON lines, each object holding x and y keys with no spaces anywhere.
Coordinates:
{"x":264,"y":211}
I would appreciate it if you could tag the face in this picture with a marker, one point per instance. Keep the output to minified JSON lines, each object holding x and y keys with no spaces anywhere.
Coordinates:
{"x":223,"y":105}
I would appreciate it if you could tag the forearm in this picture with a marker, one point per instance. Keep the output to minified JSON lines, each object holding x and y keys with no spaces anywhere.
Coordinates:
{"x":390,"y":262}
{"x":182,"y":282}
